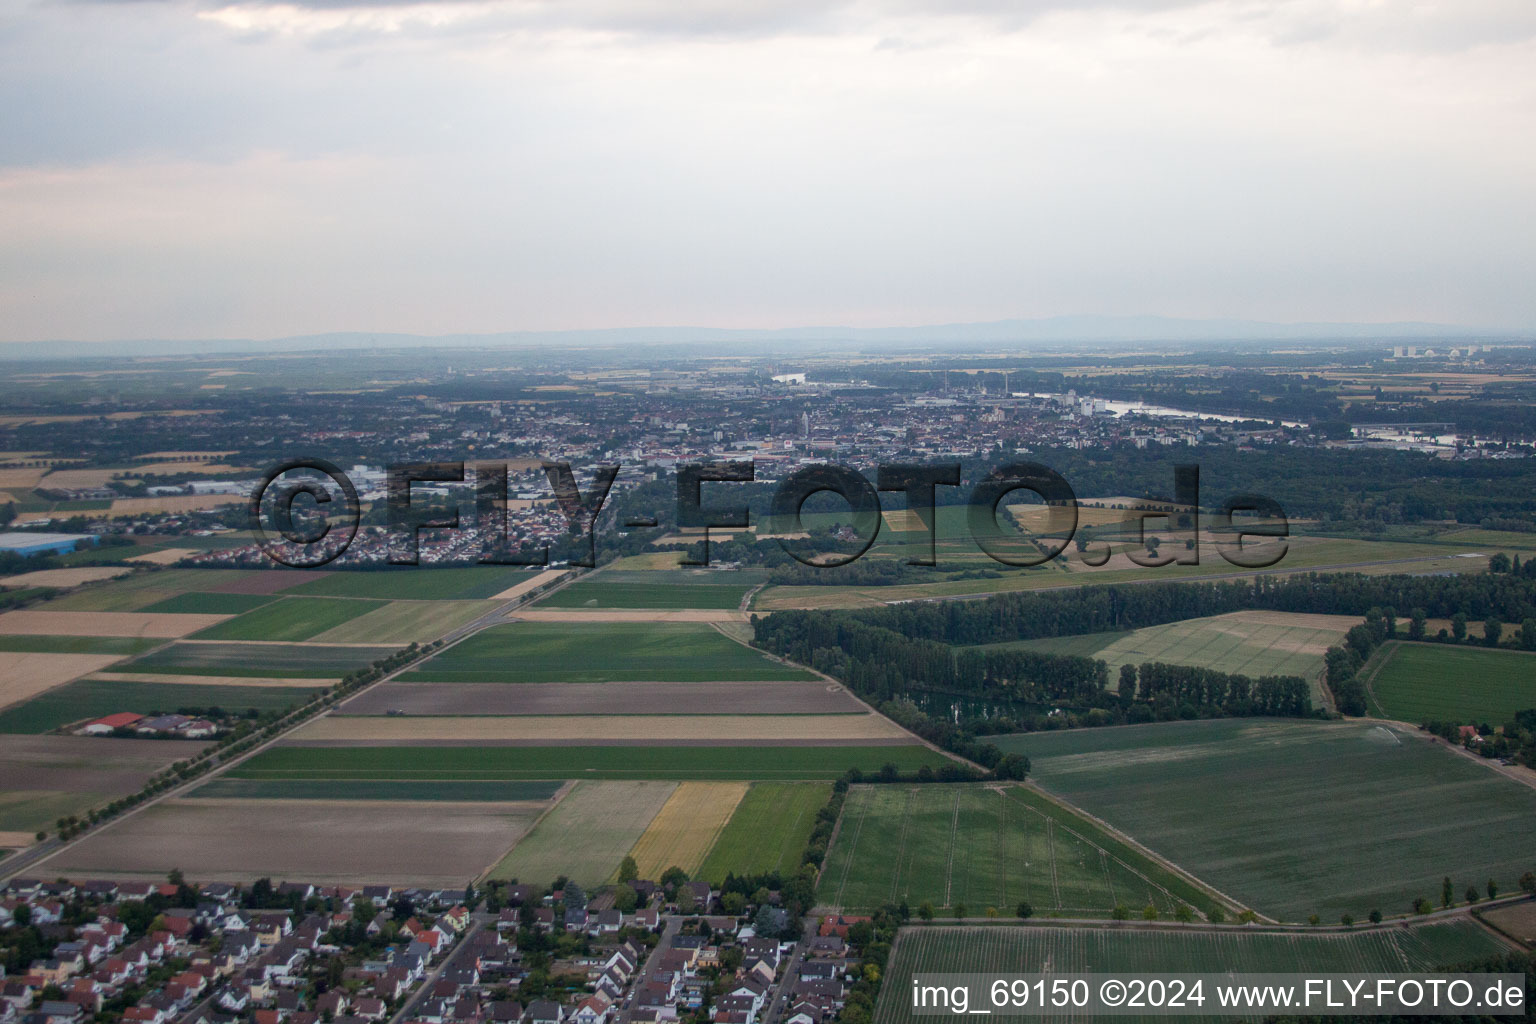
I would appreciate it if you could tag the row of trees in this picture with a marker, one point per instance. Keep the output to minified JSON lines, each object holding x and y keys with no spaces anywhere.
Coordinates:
{"x":1506,"y":597}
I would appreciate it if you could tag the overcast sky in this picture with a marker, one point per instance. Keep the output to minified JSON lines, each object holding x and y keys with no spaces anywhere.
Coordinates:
{"x":197,"y":168}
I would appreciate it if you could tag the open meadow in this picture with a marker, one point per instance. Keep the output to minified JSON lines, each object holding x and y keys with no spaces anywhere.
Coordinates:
{"x":1295,"y":817}
{"x":1018,"y":950}
{"x":671,"y":763}
{"x":767,"y":832}
{"x":988,"y":846}
{"x":686,"y":827}
{"x":586,"y":834}
{"x":551,"y":652}
{"x":1416,"y":682}
{"x":336,"y":841}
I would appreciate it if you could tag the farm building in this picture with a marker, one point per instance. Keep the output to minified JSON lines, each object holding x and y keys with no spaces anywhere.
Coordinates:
{"x":105,"y":726}
{"x":44,"y":543}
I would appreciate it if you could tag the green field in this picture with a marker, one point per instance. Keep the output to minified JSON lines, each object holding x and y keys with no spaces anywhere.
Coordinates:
{"x":405,"y":621}
{"x":309,"y":661}
{"x":767,"y":831}
{"x":1013,"y":950}
{"x":634,"y":590}
{"x":1253,"y":644}
{"x":91,"y":698}
{"x":579,"y":762}
{"x":299,"y":789}
{"x":1294,"y":817}
{"x":983,"y":847}
{"x":586,"y":834}
{"x":124,"y":645}
{"x":552,"y":652}
{"x":290,"y":618}
{"x":416,"y":583}
{"x":1437,"y":682}
{"x":200,"y":603}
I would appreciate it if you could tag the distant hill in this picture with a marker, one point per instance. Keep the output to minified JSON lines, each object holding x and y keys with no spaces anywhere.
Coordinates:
{"x":1059,"y":330}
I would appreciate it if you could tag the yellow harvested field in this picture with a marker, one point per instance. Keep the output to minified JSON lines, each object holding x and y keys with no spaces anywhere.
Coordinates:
{"x":902,"y":520}
{"x":171,"y":503}
{"x":25,"y":674}
{"x":1036,"y":517}
{"x":604,"y":728}
{"x":165,"y":556}
{"x":80,"y":477}
{"x":629,"y":615}
{"x":687,"y":826}
{"x":26,"y":476}
{"x":533,"y":581}
{"x":16,"y":840}
{"x":304,"y":683}
{"x":65,"y":577}
{"x":404,"y":621}
{"x":157,"y":625}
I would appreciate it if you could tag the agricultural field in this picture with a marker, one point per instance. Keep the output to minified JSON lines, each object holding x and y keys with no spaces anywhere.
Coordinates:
{"x":471,"y":792}
{"x":988,"y":846}
{"x":767,"y":831}
{"x":312,"y":661}
{"x":687,"y":827}
{"x":118,"y":645}
{"x":289,"y":618}
{"x":550,"y":652}
{"x":416,"y":583}
{"x":586,"y":834}
{"x":1014,"y":950}
{"x":634,"y":590}
{"x":674,"y":763}
{"x":1415,"y":682}
{"x":24,"y":675}
{"x":402,"y":622}
{"x":94,"y":698}
{"x":44,"y":622}
{"x":47,"y":777}
{"x":1306,"y":554}
{"x":199,"y":602}
{"x":1516,"y":919}
{"x":533,"y":699}
{"x":1250,"y":643}
{"x":1296,"y":817}
{"x":325,"y":841}
{"x":866,"y":727}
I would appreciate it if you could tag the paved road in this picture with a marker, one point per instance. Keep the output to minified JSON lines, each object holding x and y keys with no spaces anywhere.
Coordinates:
{"x":670,"y":926}
{"x":477,"y":921}
{"x":778,"y":1005}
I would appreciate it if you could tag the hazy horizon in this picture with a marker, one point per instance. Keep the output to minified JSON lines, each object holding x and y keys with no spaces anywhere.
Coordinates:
{"x":194,"y":169}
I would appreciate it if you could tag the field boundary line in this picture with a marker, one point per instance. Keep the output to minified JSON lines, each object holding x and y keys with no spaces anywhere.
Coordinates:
{"x":1156,"y":858}
{"x":853,"y":846}
{"x":949,"y":868}
{"x":554,"y":801}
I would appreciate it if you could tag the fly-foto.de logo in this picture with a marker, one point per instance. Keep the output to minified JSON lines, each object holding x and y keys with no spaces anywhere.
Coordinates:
{"x":306,"y":513}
